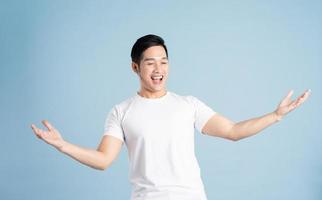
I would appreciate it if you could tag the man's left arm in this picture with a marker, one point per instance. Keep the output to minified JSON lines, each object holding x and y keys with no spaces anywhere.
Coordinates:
{"x":220,"y":126}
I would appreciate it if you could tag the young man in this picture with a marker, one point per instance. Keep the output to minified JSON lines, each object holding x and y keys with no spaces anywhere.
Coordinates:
{"x":157,"y":127}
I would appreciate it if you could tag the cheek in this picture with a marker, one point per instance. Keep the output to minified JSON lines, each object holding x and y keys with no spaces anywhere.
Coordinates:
{"x":166,"y":71}
{"x":145,"y":75}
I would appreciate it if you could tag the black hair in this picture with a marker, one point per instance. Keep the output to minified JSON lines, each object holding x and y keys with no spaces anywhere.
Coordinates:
{"x":143,"y":43}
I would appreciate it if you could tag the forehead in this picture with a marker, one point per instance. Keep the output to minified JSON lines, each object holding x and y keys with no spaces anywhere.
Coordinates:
{"x":155,"y":51}
{"x":154,"y":58}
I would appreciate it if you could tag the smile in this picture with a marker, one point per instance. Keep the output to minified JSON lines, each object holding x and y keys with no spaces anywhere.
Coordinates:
{"x":157,"y":77}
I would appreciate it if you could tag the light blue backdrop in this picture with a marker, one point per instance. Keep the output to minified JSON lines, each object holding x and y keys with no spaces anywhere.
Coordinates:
{"x":69,"y":62}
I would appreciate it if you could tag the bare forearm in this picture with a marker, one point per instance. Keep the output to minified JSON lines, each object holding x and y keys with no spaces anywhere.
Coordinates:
{"x":252,"y":126}
{"x":89,"y":157}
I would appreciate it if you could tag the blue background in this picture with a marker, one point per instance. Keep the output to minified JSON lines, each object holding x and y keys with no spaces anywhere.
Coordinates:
{"x":69,"y":62}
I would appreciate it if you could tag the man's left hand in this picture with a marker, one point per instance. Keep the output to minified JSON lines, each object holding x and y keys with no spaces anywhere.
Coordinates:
{"x":287,"y":105}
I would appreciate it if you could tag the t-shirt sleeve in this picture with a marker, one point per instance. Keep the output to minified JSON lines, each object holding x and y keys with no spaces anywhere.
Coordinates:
{"x":202,"y":113}
{"x":112,"y":124}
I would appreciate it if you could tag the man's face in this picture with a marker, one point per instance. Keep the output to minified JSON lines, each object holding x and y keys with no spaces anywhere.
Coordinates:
{"x":153,"y":69}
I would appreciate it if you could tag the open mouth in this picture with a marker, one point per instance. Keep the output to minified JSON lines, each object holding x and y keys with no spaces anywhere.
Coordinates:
{"x":157,"y":77}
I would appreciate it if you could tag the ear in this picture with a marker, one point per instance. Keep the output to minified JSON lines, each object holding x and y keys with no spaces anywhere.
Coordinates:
{"x":135,"y":67}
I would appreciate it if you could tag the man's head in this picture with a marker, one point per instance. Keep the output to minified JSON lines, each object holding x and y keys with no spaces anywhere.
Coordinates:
{"x":144,"y":43}
{"x":150,"y":61}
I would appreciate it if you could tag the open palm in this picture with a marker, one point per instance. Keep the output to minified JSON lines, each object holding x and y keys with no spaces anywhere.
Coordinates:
{"x":50,"y":136}
{"x":287,"y":105}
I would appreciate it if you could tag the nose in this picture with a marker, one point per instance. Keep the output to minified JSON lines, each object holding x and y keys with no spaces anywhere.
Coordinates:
{"x":157,"y":67}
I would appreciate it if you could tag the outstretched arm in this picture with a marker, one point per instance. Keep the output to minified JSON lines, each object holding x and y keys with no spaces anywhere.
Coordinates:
{"x":220,"y":126}
{"x":100,"y":159}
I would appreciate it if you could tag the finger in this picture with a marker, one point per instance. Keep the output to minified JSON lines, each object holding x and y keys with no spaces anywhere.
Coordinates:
{"x":304,"y":94}
{"x":303,"y":97}
{"x":307,"y":93}
{"x":292,"y":105}
{"x":36,"y":131}
{"x":298,"y":103}
{"x":44,"y":134}
{"x":290,"y":93}
{"x":287,"y":98}
{"x":34,"y":128}
{"x":48,"y":125}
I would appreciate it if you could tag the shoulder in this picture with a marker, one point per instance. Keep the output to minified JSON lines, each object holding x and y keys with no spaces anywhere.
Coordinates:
{"x":122,"y":106}
{"x":193,"y":101}
{"x":184,"y":97}
{"x":188,"y":99}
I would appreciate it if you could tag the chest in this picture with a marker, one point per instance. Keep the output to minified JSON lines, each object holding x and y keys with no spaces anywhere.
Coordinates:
{"x":158,"y":123}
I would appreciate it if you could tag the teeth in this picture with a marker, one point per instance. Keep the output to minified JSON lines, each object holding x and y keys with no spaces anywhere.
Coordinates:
{"x":156,"y":77}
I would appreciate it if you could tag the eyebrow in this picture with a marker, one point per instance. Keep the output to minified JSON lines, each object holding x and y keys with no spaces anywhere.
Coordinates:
{"x":153,"y":58}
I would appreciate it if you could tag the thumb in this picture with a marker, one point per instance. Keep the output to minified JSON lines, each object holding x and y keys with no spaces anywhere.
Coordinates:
{"x":288,"y":96}
{"x":290,"y":93}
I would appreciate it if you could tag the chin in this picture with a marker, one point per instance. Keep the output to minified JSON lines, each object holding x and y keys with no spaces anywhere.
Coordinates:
{"x":158,"y":89}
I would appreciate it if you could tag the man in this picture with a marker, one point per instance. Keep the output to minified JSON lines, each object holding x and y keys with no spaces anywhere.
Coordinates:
{"x":157,"y":127}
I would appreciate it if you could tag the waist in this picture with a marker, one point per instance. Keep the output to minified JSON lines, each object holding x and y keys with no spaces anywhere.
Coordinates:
{"x":169,"y":192}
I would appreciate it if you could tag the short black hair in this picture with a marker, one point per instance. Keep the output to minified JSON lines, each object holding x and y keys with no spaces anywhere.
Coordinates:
{"x":143,"y":43}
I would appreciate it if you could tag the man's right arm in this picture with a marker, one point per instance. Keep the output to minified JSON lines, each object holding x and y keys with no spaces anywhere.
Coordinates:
{"x":100,"y":159}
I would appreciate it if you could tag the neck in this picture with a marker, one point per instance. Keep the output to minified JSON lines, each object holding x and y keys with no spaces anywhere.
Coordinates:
{"x":152,"y":94}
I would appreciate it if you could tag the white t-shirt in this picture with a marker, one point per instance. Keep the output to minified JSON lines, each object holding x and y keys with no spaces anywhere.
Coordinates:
{"x":159,"y":135}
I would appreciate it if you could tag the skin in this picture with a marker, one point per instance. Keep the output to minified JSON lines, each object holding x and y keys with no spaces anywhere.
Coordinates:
{"x":155,"y":62}
{"x":221,"y":126}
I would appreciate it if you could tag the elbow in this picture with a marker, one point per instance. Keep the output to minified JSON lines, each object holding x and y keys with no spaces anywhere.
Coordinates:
{"x":103,"y":166}
{"x":100,"y":166}
{"x":234,"y":139}
{"x":232,"y":135}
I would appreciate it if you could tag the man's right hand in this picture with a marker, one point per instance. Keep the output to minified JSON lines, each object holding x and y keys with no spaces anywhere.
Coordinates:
{"x":50,"y":136}
{"x":100,"y":159}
